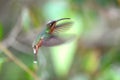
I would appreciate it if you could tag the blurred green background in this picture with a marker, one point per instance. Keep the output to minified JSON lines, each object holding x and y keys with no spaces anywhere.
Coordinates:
{"x":93,"y":54}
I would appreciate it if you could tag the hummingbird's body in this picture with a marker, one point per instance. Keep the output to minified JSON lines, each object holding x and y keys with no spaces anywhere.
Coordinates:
{"x":47,"y":38}
{"x":43,"y":35}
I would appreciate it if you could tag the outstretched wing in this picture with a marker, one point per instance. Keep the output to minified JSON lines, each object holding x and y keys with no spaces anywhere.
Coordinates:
{"x":54,"y":40}
{"x":63,"y":26}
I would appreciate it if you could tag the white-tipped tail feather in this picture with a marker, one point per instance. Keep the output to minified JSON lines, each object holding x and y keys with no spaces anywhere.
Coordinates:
{"x":35,"y":62}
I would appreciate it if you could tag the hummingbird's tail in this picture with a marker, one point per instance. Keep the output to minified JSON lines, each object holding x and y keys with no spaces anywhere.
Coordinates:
{"x":35,"y":58}
{"x":35,"y":55}
{"x":35,"y":51}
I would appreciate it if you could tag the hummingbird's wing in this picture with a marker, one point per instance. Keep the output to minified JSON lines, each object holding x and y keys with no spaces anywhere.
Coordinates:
{"x":54,"y":40}
{"x":63,"y":26}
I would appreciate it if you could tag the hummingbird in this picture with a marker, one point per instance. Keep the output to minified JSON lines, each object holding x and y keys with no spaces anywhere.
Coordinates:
{"x":47,"y":36}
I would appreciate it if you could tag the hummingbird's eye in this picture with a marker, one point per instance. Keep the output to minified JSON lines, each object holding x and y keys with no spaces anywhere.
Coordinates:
{"x":51,"y":23}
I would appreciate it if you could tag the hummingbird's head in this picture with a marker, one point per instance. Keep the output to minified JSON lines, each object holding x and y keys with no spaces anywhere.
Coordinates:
{"x":51,"y":23}
{"x":35,"y":49}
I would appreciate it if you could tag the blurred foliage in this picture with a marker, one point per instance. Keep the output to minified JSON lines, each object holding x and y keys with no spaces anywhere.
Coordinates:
{"x":1,"y":31}
{"x":93,"y":54}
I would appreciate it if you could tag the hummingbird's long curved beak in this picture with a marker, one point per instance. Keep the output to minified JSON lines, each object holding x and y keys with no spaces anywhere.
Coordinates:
{"x":62,"y":19}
